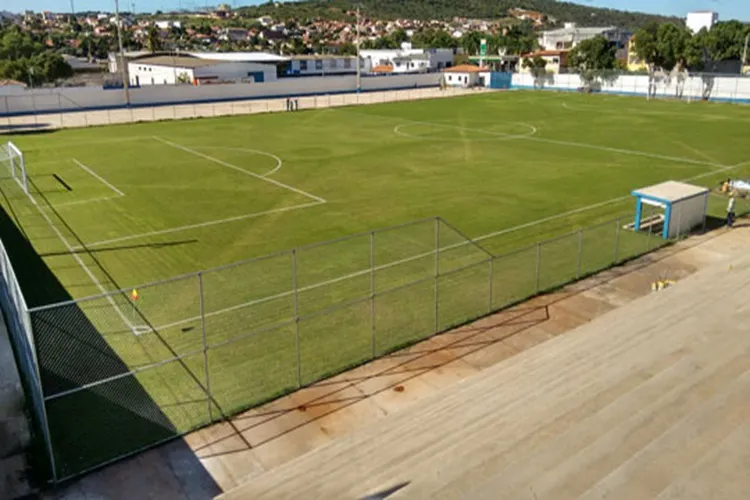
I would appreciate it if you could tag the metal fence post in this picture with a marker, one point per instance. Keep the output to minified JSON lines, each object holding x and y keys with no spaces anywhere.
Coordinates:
{"x":580,"y":253}
{"x":617,"y":240}
{"x":492,"y":275}
{"x":437,"y":269}
{"x":372,"y":292}
{"x":296,"y":317}
{"x":205,"y":344}
{"x":538,"y":265}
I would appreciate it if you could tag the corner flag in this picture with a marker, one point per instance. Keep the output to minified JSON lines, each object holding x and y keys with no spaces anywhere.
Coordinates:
{"x":134,"y":294}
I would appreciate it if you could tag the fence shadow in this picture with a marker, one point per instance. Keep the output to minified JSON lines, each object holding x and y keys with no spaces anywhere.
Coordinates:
{"x":98,"y":424}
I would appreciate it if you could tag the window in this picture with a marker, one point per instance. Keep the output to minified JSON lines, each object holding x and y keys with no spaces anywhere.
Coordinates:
{"x":303,"y":65}
{"x":347,"y":63}
{"x":318,"y":65}
{"x":334,"y":63}
{"x":555,"y":60}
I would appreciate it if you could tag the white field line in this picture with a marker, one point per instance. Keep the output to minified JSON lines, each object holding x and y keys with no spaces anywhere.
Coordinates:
{"x":532,"y":130}
{"x":415,"y":257}
{"x":631,"y":152}
{"x":702,"y":117}
{"x":87,"y":143}
{"x":81,"y":202}
{"x":98,"y":177}
{"x":535,"y":138}
{"x":279,"y":161}
{"x":242,"y":170}
{"x":197,"y":226}
{"x":80,"y":262}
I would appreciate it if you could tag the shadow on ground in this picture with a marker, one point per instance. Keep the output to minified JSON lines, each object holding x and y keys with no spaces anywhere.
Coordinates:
{"x":97,"y":424}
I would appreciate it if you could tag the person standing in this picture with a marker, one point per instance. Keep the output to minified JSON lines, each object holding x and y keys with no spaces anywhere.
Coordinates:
{"x":730,"y":210}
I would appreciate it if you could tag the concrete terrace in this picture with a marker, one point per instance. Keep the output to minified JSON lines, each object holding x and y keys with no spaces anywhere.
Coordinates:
{"x":259,"y":443}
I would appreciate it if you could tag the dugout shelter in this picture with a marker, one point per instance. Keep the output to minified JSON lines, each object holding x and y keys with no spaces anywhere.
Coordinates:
{"x":684,"y":206}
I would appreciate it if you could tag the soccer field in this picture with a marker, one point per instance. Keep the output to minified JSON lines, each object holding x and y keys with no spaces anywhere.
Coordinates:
{"x":122,"y":206}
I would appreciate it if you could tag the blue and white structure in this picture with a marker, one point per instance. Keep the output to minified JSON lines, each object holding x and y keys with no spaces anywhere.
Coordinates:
{"x":684,"y":205}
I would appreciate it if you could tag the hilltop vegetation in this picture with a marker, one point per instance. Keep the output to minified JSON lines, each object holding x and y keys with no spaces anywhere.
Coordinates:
{"x":448,"y":9}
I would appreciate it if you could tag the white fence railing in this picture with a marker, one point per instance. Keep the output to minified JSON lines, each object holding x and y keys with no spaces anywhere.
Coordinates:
{"x":697,"y":86}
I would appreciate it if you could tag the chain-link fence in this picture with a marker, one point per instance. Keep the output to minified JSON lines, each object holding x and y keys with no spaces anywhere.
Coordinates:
{"x":18,"y":323}
{"x":124,"y":371}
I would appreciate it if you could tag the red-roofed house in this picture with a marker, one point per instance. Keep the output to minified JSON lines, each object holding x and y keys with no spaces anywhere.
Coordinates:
{"x":464,"y":75}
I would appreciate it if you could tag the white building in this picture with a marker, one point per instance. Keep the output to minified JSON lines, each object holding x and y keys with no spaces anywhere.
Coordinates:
{"x":169,"y":70}
{"x":696,"y":21}
{"x":464,"y":76}
{"x":409,"y":60}
{"x":165,"y":25}
{"x":321,"y":65}
{"x":571,"y":35}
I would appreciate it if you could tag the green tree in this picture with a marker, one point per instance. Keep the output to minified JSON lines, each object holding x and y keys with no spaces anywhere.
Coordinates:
{"x":26,"y":59}
{"x":537,"y":66}
{"x":593,"y":54}
{"x":672,"y":45}
{"x":471,"y":41}
{"x":153,"y":39}
{"x":399,"y":36}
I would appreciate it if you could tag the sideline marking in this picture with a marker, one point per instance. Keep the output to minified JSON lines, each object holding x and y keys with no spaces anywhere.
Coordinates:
{"x":196,"y":226}
{"x":98,"y":177}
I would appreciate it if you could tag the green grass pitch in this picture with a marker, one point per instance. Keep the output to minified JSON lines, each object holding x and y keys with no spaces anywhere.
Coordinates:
{"x":120,"y":206}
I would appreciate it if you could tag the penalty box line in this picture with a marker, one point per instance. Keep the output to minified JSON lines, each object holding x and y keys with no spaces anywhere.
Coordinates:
{"x":241,"y":170}
{"x":196,"y":226}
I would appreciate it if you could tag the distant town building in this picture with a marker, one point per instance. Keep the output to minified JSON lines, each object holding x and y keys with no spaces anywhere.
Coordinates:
{"x":557,"y":60}
{"x":634,"y":62}
{"x":321,"y":65}
{"x":170,"y":70}
{"x":698,"y":20}
{"x":409,"y":60}
{"x":465,"y":76}
{"x":571,"y":35}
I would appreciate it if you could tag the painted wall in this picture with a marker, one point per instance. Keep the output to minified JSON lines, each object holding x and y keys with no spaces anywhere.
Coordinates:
{"x":727,"y":88}
{"x":687,"y":215}
{"x":83,"y":98}
{"x":151,"y":74}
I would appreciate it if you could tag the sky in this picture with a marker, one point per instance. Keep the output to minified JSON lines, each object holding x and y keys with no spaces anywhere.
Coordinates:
{"x":727,"y":9}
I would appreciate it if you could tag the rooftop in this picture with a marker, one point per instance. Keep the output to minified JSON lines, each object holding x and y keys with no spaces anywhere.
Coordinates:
{"x":466,"y":68}
{"x":579,"y":31}
{"x":177,"y":61}
{"x":670,"y":191}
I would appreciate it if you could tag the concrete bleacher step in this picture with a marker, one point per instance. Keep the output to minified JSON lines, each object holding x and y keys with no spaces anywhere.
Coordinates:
{"x":604,"y":410}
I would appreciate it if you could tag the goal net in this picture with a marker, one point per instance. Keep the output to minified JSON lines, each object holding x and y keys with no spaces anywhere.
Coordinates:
{"x":12,"y":158}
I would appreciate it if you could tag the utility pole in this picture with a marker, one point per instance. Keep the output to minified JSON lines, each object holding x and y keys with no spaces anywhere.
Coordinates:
{"x":744,"y":53}
{"x":123,"y":69}
{"x":359,"y":65}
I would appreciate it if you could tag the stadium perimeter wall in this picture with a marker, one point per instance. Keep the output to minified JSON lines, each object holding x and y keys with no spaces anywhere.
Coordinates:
{"x":41,"y":101}
{"x":121,"y":115}
{"x":716,"y":87}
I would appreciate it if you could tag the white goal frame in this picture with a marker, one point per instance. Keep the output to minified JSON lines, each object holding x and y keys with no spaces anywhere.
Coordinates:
{"x":17,"y":166}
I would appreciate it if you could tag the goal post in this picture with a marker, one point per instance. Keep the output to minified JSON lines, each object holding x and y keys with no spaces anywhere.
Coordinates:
{"x":13,"y":156}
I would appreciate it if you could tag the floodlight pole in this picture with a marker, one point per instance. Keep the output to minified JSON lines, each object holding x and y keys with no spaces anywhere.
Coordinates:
{"x":359,"y":68}
{"x":123,"y":72}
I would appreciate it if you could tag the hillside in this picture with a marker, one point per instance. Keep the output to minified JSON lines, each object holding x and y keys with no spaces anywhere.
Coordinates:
{"x":448,"y":9}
